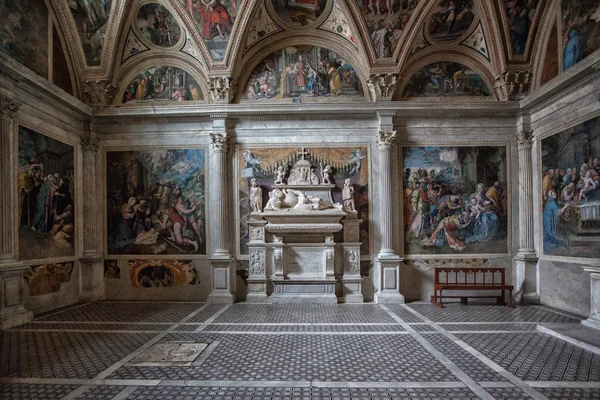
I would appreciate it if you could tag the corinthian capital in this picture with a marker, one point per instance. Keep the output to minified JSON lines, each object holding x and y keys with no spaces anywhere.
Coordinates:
{"x":221,"y":89}
{"x":219,"y":141}
{"x":385,"y":139}
{"x":99,"y":93}
{"x":382,"y":86}
{"x":8,"y":107}
{"x":524,"y":139}
{"x":89,"y":143}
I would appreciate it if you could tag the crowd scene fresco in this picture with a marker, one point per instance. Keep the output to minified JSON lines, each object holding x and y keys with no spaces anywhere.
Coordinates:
{"x":163,"y":83}
{"x":299,"y":13}
{"x":447,"y":79}
{"x":46,"y":185}
{"x":24,"y":33}
{"x":91,"y":19}
{"x":581,"y":30}
{"x":451,"y":19}
{"x":155,"y":202}
{"x":302,"y":73}
{"x":387,"y":20}
{"x":345,"y":163}
{"x":455,"y":200}
{"x":214,"y":20}
{"x":157,"y":24}
{"x":520,"y":18}
{"x":571,"y":191}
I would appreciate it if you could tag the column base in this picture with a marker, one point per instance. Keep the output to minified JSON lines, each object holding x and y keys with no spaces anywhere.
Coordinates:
{"x":531,"y":299}
{"x":15,"y":319}
{"x":592,"y":322}
{"x":352,"y":292}
{"x":222,"y":291}
{"x":389,"y":280}
{"x":12,"y":309}
{"x":257,"y":292}
{"x":525,"y":278}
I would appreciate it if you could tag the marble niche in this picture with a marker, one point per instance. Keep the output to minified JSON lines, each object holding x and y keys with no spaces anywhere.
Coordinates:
{"x":303,"y":246}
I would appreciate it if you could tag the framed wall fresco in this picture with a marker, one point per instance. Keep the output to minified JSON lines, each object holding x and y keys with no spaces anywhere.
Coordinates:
{"x":155,"y":201}
{"x":570,"y":191}
{"x":386,"y":21}
{"x":446,"y":79}
{"x":262,"y":163}
{"x":214,"y":20}
{"x":162,"y":84}
{"x":47,"y":278}
{"x":450,"y":19}
{"x":581,"y":30}
{"x":162,"y":273}
{"x":303,"y":73}
{"x":91,"y":20}
{"x":298,"y":13}
{"x":158,"y":25}
{"x":46,"y":186}
{"x":455,"y":200}
{"x":24,"y":33}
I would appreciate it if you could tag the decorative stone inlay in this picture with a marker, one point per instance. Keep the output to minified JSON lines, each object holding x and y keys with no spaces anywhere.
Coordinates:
{"x":278,"y":255}
{"x":89,"y":143}
{"x":133,"y":46}
{"x":191,"y":49}
{"x":99,"y":93}
{"x":221,"y":89}
{"x":385,"y":139}
{"x":477,"y":41}
{"x":382,"y":86}
{"x":329,"y":254}
{"x":257,"y":262}
{"x":262,"y":27}
{"x":169,"y":354}
{"x":219,"y":141}
{"x":337,"y":23}
{"x":513,"y":85}
{"x":296,"y":228}
{"x":8,"y":107}
{"x":352,"y":265}
{"x":257,"y":233}
{"x":524,"y":139}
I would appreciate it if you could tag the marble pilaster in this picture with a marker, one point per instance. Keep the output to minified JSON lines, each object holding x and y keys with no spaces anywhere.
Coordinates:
{"x":220,"y":259}
{"x":351,"y":277}
{"x":258,"y":274}
{"x":12,"y":310}
{"x":526,"y":286}
{"x":388,"y":261}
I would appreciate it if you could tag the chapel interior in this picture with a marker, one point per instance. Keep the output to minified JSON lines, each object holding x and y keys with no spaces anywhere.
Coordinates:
{"x":300,"y":199}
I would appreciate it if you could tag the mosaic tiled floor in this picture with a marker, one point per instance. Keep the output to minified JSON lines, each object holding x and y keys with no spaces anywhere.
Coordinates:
{"x":296,"y":352}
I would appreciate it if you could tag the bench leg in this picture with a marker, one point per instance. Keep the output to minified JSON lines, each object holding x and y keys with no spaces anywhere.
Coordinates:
{"x":440,"y":303}
{"x":510,"y":301}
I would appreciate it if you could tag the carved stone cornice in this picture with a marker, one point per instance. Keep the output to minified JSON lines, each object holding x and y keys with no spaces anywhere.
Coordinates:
{"x":8,"y":107}
{"x":219,"y":141}
{"x":513,"y":85}
{"x":385,"y":139}
{"x":382,"y":86}
{"x":221,"y":89}
{"x":524,"y":139}
{"x":99,"y":93}
{"x":89,"y":144}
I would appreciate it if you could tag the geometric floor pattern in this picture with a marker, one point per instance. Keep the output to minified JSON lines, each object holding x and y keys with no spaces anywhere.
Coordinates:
{"x":296,"y":352}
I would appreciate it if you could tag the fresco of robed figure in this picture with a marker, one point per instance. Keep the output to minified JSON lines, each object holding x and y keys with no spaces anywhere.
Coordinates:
{"x":299,"y":13}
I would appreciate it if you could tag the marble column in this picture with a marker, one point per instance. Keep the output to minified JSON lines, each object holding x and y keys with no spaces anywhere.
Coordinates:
{"x":594,"y":320}
{"x":526,"y":269}
{"x":92,"y":266}
{"x":388,"y":261}
{"x":222,"y":281}
{"x":12,"y":310}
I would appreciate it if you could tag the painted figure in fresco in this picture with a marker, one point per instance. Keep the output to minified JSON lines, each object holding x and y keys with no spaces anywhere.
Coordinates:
{"x":256,"y":198}
{"x":573,"y":49}
{"x":421,"y":205}
{"x":213,"y":17}
{"x":552,"y":213}
{"x":348,"y":196}
{"x":335,"y":80}
{"x":450,"y":16}
{"x":355,"y":159}
{"x":487,"y":226}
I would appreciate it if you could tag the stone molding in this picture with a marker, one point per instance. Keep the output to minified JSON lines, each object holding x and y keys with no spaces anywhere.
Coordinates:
{"x":219,"y":141}
{"x":382,"y":86}
{"x":99,"y":93}
{"x":385,"y":139}
{"x":296,"y":228}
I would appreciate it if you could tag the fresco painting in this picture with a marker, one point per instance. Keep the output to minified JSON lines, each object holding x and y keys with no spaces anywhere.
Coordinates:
{"x":299,"y":13}
{"x":46,"y":185}
{"x":47,"y":278}
{"x":24,"y":33}
{"x":386,"y":21}
{"x":162,"y":273}
{"x":455,"y":200}
{"x":551,"y":67}
{"x":214,"y":20}
{"x":91,"y":20}
{"x":262,"y":163}
{"x":303,"y":73}
{"x":112,"y":269}
{"x":158,"y":25}
{"x":451,"y":19}
{"x":155,"y":202}
{"x":520,"y":15}
{"x":571,"y":191}
{"x":162,"y":84}
{"x":581,"y":30}
{"x":445,"y":79}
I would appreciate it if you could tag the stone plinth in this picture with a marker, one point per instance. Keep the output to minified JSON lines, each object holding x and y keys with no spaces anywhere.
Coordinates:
{"x":594,"y":320}
{"x":12,"y":310}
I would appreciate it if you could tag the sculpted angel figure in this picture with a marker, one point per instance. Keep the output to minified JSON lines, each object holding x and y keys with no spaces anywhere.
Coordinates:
{"x":348,"y":196}
{"x":326,"y":174}
{"x":281,"y":172}
{"x":255,"y":196}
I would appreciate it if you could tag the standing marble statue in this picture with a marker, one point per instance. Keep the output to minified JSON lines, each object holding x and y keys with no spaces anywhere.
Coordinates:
{"x":326,"y":174}
{"x":256,"y":198}
{"x":281,"y":171}
{"x":348,"y":196}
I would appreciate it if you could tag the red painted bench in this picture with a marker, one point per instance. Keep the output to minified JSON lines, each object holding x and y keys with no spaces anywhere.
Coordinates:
{"x":458,"y":279}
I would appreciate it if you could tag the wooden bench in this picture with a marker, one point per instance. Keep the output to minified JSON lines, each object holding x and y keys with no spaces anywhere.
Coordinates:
{"x":458,"y":279}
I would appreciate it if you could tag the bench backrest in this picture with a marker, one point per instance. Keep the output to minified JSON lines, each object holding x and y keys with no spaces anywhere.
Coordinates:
{"x":460,"y":276}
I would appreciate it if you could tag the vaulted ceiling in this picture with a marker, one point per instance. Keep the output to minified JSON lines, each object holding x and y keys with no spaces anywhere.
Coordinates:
{"x":111,"y":42}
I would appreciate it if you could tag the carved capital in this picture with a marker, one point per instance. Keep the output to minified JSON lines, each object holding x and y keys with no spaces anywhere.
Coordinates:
{"x":513,"y":85}
{"x":219,"y":141}
{"x":221,"y":89}
{"x":524,"y":139}
{"x":89,"y":143}
{"x":8,"y":107}
{"x":385,"y":140}
{"x":382,"y":86}
{"x":99,"y":93}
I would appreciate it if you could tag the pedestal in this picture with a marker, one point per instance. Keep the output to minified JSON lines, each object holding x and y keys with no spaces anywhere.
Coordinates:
{"x":351,"y":278}
{"x":12,"y":310}
{"x":92,"y":279}
{"x":526,"y":279}
{"x":389,"y":281}
{"x":221,"y":281}
{"x":594,"y":320}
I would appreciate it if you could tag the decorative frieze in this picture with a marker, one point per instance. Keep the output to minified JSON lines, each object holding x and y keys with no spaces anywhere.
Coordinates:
{"x":513,"y":85}
{"x":382,"y":86}
{"x":99,"y":93}
{"x":221,"y":89}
